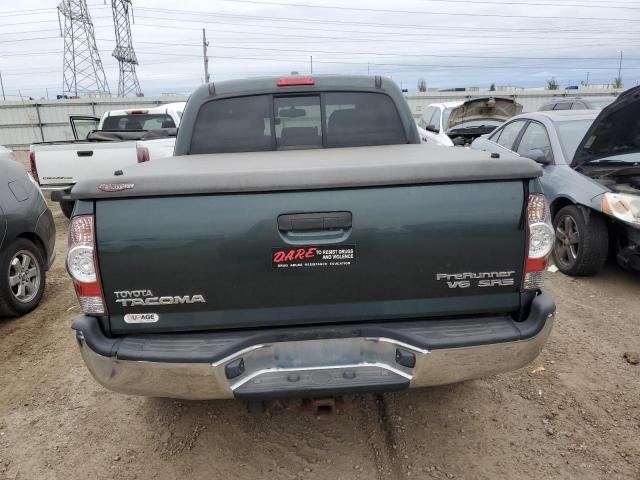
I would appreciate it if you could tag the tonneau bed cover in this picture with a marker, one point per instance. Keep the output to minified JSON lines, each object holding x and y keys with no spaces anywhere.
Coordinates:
{"x":287,"y":170}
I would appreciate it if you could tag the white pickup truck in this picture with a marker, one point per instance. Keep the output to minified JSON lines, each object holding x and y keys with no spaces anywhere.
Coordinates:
{"x":101,"y":146}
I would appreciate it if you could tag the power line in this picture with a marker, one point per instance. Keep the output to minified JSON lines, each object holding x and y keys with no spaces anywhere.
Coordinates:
{"x":448,"y":28}
{"x":33,"y":31}
{"x":395,"y":54}
{"x":608,"y":6}
{"x":384,"y":34}
{"x":322,"y":40}
{"x":508,"y":67}
{"x":306,"y":52}
{"x":298,"y":20}
{"x":34,"y":21}
{"x":426,"y":12}
{"x":22,"y":40}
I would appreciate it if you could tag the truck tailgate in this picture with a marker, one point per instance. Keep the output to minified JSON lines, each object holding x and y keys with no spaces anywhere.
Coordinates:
{"x":256,"y":259}
{"x":69,"y":163}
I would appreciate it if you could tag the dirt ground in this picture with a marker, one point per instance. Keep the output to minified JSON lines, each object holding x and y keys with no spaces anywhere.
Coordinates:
{"x":579,"y":418}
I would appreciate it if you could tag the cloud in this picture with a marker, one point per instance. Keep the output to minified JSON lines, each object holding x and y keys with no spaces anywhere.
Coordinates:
{"x":476,"y":44}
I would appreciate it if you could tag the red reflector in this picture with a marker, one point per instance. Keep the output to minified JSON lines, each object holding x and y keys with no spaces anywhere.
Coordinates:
{"x":535,"y":264}
{"x":88,"y":289}
{"x":292,"y":81}
{"x":34,"y":169}
{"x":143,"y":154}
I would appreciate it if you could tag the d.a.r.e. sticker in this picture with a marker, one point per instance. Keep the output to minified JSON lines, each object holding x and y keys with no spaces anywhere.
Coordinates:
{"x":313,"y":256}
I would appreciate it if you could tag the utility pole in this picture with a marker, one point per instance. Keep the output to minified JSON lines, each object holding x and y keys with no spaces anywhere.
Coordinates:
{"x":311,"y":59}
{"x":2,"y":84}
{"x":620,"y":65}
{"x":587,"y":84}
{"x":205,"y":44}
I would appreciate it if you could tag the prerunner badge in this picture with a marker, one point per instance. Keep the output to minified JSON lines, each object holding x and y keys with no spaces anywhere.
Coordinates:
{"x":314,"y":256}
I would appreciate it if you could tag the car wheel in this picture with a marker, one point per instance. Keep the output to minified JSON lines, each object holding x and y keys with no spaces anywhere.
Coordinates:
{"x":67,"y":208}
{"x":22,"y":278}
{"x":581,"y":245}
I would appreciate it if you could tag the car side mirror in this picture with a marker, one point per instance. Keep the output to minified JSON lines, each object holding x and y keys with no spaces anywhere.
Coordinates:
{"x":432,"y":128}
{"x":537,"y":155}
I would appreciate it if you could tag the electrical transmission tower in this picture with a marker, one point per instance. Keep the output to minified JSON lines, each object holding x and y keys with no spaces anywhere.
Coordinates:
{"x":124,"y":53}
{"x":82,"y":71}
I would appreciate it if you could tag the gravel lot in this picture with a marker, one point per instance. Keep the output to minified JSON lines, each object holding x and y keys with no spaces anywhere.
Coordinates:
{"x":579,"y":418}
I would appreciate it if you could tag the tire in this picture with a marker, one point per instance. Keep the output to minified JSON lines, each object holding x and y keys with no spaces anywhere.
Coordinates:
{"x":67,"y":208}
{"x":582,"y":246}
{"x":17,"y":300}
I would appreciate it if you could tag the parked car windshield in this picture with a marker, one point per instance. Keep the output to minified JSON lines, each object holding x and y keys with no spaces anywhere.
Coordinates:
{"x":445,"y":117}
{"x":600,"y":104}
{"x":623,"y":158}
{"x":484,"y":122}
{"x":571,"y":133}
{"x":478,"y":123}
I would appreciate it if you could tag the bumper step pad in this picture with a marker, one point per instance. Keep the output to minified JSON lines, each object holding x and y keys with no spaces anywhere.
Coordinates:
{"x":321,"y":382}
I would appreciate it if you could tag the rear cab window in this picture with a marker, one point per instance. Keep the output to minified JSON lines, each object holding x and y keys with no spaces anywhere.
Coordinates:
{"x":138,"y":122}
{"x":297,"y":121}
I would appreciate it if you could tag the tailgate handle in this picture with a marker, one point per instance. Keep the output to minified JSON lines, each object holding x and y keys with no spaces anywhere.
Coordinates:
{"x":314,"y":221}
{"x":85,"y":153}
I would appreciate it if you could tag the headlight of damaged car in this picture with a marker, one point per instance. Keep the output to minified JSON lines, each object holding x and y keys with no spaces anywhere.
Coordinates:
{"x":622,"y":206}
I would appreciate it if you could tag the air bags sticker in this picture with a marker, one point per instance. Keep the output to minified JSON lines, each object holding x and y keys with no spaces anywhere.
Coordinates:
{"x":314,"y":256}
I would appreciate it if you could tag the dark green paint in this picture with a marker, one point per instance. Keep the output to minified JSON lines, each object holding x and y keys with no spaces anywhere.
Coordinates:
{"x":220,"y":246}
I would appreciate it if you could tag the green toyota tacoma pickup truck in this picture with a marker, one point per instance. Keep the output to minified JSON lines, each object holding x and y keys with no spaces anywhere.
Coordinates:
{"x":301,"y":242}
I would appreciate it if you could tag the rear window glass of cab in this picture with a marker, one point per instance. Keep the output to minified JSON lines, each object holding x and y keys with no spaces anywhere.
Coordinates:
{"x":287,"y":122}
{"x":141,"y":121}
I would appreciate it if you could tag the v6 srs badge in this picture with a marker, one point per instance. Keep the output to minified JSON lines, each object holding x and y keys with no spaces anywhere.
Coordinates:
{"x":314,"y":256}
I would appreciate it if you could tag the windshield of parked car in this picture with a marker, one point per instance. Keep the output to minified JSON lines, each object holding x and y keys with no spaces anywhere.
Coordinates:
{"x":601,"y":103}
{"x":139,"y":121}
{"x":630,"y":158}
{"x":571,"y":133}
{"x":483,"y":122}
{"x":478,"y":123}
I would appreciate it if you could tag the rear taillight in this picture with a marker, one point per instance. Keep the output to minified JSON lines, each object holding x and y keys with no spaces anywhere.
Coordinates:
{"x":539,"y":242}
{"x":34,"y":169}
{"x":143,"y":154}
{"x":82,"y":265}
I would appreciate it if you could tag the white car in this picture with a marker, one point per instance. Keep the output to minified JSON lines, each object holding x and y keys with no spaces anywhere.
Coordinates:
{"x":459,"y":123}
{"x":101,"y":146}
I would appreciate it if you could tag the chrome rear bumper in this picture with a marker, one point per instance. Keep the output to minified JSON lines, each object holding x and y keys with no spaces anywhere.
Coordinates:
{"x":318,"y":367}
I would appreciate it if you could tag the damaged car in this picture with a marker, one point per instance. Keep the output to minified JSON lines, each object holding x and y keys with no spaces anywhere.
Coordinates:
{"x":591,"y":162}
{"x":459,"y":123}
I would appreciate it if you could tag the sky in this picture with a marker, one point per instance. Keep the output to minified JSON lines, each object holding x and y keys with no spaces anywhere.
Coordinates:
{"x":449,"y":43}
